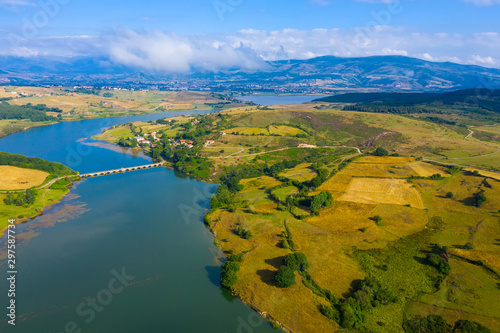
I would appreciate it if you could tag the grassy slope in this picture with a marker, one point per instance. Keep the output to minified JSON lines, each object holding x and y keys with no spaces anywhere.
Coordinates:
{"x":338,"y":250}
{"x":330,"y":241}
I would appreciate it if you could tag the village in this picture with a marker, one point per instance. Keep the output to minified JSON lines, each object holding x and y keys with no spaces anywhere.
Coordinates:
{"x":153,"y":139}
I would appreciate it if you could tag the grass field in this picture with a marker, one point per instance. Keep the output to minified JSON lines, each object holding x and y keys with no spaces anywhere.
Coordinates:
{"x":344,"y":245}
{"x":44,"y":199}
{"x":14,"y":178}
{"x":388,"y":191}
{"x":301,"y":172}
{"x":247,"y":131}
{"x":285,"y":130}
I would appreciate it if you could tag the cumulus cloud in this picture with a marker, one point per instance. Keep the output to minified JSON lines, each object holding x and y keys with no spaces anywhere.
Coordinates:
{"x":249,"y":49}
{"x":171,"y":53}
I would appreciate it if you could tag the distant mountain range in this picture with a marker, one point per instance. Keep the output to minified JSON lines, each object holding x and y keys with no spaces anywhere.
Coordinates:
{"x":323,"y":74}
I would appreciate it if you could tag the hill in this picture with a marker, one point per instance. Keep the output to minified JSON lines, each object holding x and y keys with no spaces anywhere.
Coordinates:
{"x":322,"y":74}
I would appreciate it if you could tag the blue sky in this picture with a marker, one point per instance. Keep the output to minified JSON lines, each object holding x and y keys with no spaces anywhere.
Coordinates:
{"x":244,"y":31}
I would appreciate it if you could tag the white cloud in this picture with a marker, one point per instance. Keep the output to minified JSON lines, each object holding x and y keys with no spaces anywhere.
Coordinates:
{"x":483,"y":2}
{"x":15,"y":3}
{"x":488,"y":61}
{"x":171,"y":53}
{"x":168,"y":52}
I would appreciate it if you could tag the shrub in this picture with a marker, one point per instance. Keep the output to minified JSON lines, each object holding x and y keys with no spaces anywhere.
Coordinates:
{"x":377,"y":219}
{"x":469,"y":246}
{"x":479,"y":199}
{"x":297,"y":261}
{"x":330,"y":312}
{"x":285,"y":277}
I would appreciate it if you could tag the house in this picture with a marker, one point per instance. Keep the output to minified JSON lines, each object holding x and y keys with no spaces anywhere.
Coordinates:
{"x":209,"y":142}
{"x":190,"y":142}
{"x":182,"y":142}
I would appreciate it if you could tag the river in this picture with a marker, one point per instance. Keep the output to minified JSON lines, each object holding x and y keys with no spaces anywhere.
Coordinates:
{"x":122,"y":253}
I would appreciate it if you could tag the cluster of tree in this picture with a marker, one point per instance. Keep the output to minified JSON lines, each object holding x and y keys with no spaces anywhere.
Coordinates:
{"x":228,"y":274}
{"x":21,"y":199}
{"x":322,"y":200}
{"x":321,"y":178}
{"x":437,"y":324}
{"x":132,"y":143}
{"x":9,"y":111}
{"x":479,"y":199}
{"x":42,"y":107}
{"x":438,"y":120}
{"x":163,"y":121}
{"x":223,"y":198}
{"x":484,"y":98}
{"x":55,"y":169}
{"x":349,"y":313}
{"x":436,"y":176}
{"x":382,"y":108}
{"x":380,"y":152}
{"x":285,"y":276}
{"x":93,"y":91}
{"x":438,"y":258}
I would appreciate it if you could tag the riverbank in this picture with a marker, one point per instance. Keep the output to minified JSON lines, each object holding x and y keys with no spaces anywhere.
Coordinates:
{"x":45,"y":199}
{"x":73,"y":104}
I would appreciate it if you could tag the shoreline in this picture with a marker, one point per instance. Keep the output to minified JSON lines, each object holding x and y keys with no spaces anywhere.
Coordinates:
{"x":27,"y":219}
{"x":127,"y":114}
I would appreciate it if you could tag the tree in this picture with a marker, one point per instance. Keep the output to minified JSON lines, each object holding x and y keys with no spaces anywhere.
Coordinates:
{"x":449,"y":195}
{"x":324,"y":199}
{"x":330,"y":312}
{"x":285,"y":277}
{"x":296,"y":261}
{"x":431,"y":323}
{"x":228,"y":273}
{"x":479,"y":199}
{"x":30,"y":196}
{"x":348,"y":317}
{"x":467,"y":326}
{"x":377,"y":219}
{"x":20,"y":199}
{"x":9,"y":200}
{"x":381,"y":152}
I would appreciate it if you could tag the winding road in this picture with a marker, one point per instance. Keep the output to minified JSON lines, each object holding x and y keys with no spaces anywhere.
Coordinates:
{"x":275,"y":150}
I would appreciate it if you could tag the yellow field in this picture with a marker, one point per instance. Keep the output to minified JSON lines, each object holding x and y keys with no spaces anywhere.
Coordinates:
{"x":329,"y":238}
{"x":388,"y":191}
{"x":247,"y":130}
{"x":14,"y":178}
{"x":259,"y":183}
{"x":489,"y":174}
{"x":423,"y":169}
{"x":285,"y":130}
{"x":301,"y":173}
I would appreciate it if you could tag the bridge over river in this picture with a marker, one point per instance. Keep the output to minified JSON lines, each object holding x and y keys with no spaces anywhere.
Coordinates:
{"x":122,"y":170}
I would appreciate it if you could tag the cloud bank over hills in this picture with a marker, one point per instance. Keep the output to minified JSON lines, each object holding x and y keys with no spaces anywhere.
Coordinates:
{"x":250,"y":49}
